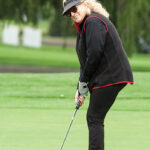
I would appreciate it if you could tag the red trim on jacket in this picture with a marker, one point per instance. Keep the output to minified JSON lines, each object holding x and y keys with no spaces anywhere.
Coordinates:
{"x":94,"y":88}
{"x":97,"y":18}
{"x":77,"y":26}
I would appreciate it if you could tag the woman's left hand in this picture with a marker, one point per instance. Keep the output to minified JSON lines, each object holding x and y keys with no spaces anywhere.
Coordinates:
{"x":82,"y":98}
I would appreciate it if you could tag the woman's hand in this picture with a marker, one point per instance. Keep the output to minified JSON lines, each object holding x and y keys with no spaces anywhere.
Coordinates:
{"x":81,"y":98}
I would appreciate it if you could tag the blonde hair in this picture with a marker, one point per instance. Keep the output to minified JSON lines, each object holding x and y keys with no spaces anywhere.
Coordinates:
{"x":94,"y":6}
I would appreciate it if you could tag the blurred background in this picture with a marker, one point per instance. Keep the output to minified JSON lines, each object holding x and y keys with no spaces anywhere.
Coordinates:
{"x":37,"y":105}
{"x":33,"y":33}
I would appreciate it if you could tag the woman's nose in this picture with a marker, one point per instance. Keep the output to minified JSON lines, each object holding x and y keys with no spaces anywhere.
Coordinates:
{"x":72,"y":13}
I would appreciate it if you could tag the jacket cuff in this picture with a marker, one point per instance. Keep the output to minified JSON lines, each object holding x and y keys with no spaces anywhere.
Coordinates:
{"x":83,"y":79}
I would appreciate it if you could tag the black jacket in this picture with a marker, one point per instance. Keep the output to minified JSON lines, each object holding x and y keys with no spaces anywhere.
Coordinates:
{"x":103,"y":61}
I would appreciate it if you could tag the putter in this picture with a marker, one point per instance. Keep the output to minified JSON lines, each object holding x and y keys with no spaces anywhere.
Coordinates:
{"x":76,"y":108}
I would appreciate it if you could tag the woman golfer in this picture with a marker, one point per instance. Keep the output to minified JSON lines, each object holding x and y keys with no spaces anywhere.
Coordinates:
{"x":104,"y":66}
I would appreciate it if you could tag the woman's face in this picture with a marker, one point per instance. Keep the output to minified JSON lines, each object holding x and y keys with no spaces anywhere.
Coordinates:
{"x":78,"y":13}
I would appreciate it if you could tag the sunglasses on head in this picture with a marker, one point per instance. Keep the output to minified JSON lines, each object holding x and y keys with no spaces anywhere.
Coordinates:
{"x":73,"y":9}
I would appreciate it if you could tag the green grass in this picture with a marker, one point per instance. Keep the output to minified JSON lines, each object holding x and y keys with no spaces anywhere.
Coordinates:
{"x":36,"y":109}
{"x":47,"y":56}
{"x":140,"y":62}
{"x":56,"y":57}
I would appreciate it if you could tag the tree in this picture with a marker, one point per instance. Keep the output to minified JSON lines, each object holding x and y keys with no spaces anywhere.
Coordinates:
{"x":131,"y":17}
{"x":60,"y":26}
{"x":16,"y":10}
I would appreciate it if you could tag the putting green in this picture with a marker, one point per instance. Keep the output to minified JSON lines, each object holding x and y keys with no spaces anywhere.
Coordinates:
{"x":36,"y":109}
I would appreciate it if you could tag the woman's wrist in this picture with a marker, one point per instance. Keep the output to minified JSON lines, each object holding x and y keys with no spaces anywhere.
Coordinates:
{"x":83,"y":88}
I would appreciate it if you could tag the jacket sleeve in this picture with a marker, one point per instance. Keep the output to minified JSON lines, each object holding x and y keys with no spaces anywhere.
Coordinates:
{"x":95,"y":34}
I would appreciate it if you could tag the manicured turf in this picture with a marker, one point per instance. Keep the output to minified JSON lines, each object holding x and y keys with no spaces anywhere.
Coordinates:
{"x":36,"y":109}
{"x":57,"y":57}
{"x":47,"y":56}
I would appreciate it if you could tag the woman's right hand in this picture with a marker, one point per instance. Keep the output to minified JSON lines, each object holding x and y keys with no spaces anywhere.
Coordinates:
{"x":77,"y":97}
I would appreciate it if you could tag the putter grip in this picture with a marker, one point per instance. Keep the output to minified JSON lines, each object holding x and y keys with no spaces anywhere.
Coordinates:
{"x":78,"y":104}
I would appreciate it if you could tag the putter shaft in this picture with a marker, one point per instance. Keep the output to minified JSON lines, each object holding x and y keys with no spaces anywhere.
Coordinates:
{"x":77,"y":107}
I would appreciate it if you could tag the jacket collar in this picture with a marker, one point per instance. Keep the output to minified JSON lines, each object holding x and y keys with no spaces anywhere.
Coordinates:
{"x":80,"y":25}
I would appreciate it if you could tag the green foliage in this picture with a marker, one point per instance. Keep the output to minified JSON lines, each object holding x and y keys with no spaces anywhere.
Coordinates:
{"x":126,"y":24}
{"x":61,"y":26}
{"x":17,"y":10}
{"x":46,"y":10}
{"x":131,"y":17}
{"x":110,"y":6}
{"x":143,"y":17}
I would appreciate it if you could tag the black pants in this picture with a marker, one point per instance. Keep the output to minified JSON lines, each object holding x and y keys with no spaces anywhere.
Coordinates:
{"x":100,"y":102}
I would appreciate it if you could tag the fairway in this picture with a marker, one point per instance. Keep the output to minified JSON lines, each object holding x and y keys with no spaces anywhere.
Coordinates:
{"x":36,"y":109}
{"x":56,"y":57}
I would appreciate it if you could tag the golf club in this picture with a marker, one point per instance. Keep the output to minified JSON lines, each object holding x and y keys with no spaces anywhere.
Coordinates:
{"x":76,"y":108}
